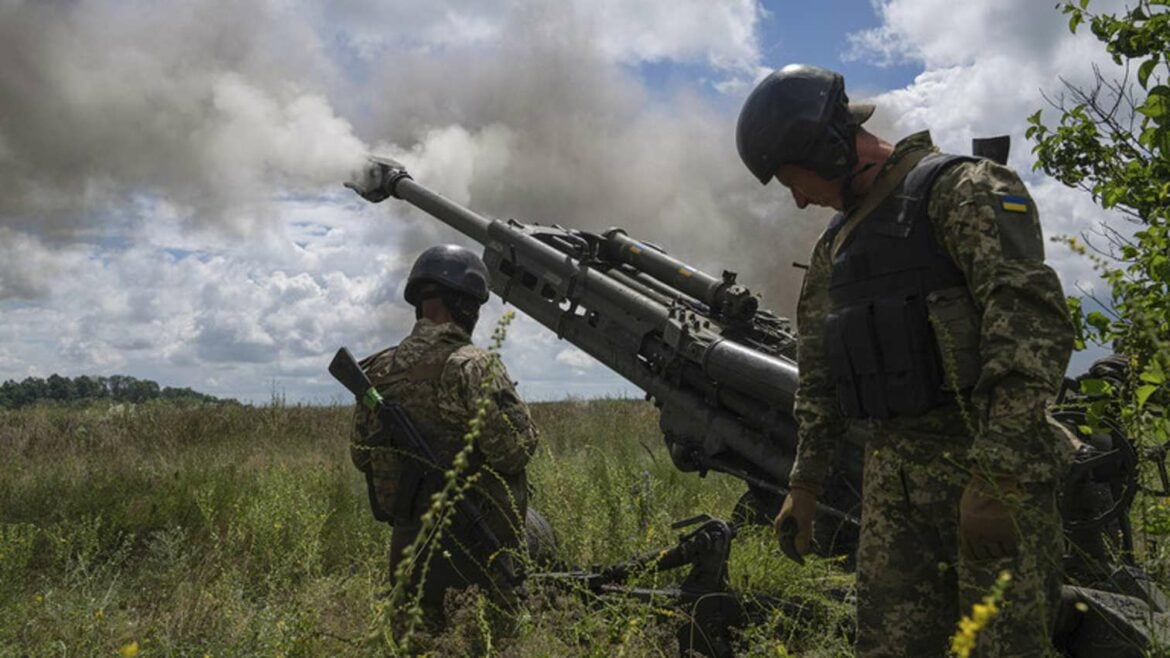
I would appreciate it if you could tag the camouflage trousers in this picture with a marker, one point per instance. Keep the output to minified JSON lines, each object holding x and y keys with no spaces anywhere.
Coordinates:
{"x":913,"y":586}
{"x":455,"y":563}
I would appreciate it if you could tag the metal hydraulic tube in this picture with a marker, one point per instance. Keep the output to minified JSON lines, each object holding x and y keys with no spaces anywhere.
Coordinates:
{"x":722,"y":294}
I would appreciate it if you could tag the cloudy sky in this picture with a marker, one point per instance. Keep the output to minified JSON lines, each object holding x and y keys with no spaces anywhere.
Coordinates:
{"x":170,"y":199}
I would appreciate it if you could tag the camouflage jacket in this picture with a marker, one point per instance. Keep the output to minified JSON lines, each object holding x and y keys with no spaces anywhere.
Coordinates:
{"x":441,"y":379}
{"x":1025,"y":335}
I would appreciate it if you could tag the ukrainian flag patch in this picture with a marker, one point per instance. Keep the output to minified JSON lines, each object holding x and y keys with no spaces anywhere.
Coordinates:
{"x":1014,"y":203}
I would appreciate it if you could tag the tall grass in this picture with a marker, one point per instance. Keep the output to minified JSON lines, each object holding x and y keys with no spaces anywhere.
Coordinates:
{"x":232,"y":531}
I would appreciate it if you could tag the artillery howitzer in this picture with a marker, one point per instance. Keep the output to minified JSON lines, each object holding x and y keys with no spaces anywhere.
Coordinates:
{"x":721,"y":371}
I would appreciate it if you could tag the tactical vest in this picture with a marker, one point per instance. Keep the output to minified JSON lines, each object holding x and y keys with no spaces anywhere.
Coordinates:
{"x":889,"y":279}
{"x":417,"y":388}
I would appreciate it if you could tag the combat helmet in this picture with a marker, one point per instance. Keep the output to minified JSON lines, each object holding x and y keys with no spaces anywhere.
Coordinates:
{"x":448,"y":266}
{"x":800,"y":115}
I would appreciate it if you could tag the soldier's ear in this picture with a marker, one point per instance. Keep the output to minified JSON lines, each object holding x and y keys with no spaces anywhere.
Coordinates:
{"x":432,"y":305}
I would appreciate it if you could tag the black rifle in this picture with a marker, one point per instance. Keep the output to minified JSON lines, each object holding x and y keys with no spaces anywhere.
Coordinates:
{"x":346,"y":370}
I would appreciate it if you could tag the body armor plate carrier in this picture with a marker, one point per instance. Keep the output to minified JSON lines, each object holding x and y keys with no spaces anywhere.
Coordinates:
{"x":884,"y":354}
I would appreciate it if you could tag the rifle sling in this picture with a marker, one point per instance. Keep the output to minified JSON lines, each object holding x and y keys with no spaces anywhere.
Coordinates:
{"x":380,"y":514}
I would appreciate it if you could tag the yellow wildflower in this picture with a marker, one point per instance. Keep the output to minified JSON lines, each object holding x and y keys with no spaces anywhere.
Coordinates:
{"x":963,"y":642}
{"x":128,"y":650}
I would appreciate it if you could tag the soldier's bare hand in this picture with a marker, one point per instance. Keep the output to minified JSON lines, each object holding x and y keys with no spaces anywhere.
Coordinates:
{"x":798,"y":510}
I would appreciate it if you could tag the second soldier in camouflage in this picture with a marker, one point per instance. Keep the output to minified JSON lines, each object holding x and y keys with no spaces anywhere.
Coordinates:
{"x":441,"y":380}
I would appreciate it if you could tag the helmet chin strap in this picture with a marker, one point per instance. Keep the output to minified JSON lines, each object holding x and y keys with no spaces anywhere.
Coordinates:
{"x":848,"y":196}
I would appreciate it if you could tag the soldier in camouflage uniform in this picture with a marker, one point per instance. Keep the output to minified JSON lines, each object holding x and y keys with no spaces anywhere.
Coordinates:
{"x":441,"y":379}
{"x":927,"y":316}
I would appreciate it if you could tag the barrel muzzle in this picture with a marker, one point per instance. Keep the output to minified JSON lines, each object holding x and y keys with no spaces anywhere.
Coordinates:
{"x":378,"y":179}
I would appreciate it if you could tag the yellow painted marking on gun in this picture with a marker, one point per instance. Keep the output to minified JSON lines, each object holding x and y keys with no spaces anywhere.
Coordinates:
{"x":686,"y":271}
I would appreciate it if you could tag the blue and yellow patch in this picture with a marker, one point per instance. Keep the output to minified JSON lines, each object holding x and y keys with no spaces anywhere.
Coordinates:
{"x":1014,"y":203}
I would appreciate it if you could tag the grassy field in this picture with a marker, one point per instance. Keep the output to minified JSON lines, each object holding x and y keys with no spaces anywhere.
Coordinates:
{"x":239,"y":531}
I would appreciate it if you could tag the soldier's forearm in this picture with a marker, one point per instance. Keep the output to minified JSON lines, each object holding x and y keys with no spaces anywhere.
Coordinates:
{"x":1012,"y":437}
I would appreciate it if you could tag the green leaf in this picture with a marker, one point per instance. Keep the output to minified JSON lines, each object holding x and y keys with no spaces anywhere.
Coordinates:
{"x":1096,"y":411}
{"x":1143,"y":393}
{"x":1098,"y":321}
{"x":1157,"y":105}
{"x":1146,"y":69}
{"x":1095,"y":387}
{"x":1153,"y":374}
{"x":1162,"y":430}
{"x":1149,"y":137}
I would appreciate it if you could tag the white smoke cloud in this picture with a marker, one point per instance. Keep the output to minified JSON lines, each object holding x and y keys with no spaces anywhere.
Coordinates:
{"x":169,"y":198}
{"x":216,"y":106}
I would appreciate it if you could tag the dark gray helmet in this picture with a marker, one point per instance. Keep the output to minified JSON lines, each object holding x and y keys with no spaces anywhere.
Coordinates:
{"x":449,"y":266}
{"x":799,"y":115}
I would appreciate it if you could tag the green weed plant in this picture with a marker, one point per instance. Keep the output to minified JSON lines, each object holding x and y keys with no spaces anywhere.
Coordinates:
{"x":232,"y":531}
{"x":223,"y":530}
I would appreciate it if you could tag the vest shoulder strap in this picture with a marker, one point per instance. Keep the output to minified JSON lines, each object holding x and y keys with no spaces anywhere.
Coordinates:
{"x":876,"y":198}
{"x":915,"y":197}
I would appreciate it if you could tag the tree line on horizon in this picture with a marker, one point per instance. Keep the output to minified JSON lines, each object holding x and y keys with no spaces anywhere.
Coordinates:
{"x":86,"y":388}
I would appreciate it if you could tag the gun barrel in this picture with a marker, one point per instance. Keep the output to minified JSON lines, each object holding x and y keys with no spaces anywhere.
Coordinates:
{"x":467,"y":222}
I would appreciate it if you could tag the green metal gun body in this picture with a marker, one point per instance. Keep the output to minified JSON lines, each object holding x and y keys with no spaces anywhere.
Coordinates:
{"x":345,"y":369}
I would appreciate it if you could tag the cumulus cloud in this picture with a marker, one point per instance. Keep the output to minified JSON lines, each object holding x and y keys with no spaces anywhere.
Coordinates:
{"x":253,"y":313}
{"x":720,"y":34}
{"x":941,"y":34}
{"x":27,"y":266}
{"x":575,"y":358}
{"x":986,"y":65}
